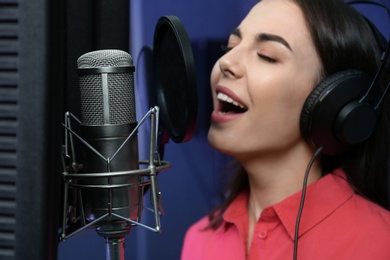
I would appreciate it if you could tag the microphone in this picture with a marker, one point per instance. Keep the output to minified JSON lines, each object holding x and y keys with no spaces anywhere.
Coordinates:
{"x":108,"y":117}
{"x":106,"y":191}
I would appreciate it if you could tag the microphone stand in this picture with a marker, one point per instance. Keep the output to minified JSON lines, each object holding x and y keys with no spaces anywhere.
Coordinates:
{"x":112,"y":226}
{"x":115,"y":248}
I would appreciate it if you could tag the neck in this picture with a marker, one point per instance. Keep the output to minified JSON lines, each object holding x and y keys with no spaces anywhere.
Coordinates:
{"x":274,"y":178}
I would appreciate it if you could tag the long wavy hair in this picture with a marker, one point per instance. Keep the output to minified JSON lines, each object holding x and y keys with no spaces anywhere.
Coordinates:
{"x":344,"y":40}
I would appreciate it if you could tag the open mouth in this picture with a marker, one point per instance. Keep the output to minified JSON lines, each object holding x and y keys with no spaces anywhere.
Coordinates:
{"x":229,"y":106}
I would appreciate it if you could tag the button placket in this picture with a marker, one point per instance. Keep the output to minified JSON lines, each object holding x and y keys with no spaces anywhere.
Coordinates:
{"x":267,"y":220}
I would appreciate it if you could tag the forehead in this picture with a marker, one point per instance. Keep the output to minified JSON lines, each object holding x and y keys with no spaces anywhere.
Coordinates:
{"x":280,"y":17}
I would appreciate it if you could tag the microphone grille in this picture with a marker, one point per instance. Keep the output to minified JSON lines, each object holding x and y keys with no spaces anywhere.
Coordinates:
{"x":114,"y":105}
{"x":105,"y":58}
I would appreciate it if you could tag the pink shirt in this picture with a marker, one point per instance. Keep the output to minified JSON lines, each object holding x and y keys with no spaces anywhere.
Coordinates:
{"x":336,"y":224}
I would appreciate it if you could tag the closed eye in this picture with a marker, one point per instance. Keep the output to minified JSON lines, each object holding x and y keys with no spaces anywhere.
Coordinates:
{"x":267,"y":58}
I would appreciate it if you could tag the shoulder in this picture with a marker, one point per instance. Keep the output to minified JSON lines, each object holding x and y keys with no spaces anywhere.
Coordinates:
{"x":194,"y":245}
{"x":366,"y":227}
{"x":353,"y":209}
{"x":201,"y":242}
{"x":196,"y":230}
{"x":371,"y":213}
{"x":361,"y":218}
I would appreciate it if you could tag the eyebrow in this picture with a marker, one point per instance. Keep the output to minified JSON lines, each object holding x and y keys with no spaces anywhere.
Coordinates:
{"x":264,"y":37}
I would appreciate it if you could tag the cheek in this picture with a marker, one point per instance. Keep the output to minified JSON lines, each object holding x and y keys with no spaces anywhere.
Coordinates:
{"x":280,"y":100}
{"x":214,"y":77}
{"x":293,"y":101}
{"x":215,"y":74}
{"x":293,"y":104}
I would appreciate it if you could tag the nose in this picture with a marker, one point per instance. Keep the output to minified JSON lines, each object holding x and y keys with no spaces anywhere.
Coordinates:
{"x":231,"y":65}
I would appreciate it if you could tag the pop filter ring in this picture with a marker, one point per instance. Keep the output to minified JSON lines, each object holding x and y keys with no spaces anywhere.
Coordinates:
{"x":175,"y":79}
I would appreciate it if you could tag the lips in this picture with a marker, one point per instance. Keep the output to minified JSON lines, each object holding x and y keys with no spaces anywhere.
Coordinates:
{"x":228,"y":108}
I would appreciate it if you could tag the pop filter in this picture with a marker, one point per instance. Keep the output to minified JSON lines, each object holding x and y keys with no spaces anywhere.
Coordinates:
{"x":175,"y":79}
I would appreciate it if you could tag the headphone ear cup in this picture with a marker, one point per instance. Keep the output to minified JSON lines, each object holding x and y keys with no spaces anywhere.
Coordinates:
{"x":307,"y":110}
{"x":333,"y":117}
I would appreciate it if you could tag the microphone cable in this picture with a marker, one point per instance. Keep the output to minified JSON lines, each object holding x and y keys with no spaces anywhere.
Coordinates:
{"x":303,"y":195}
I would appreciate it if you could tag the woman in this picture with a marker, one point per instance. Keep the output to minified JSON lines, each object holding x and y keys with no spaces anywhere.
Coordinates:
{"x":276,"y":56}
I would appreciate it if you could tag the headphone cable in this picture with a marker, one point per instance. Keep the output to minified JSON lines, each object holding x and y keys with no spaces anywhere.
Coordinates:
{"x":303,"y":195}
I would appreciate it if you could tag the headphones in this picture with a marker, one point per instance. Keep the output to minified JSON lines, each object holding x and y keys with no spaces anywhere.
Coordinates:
{"x":337,"y":113}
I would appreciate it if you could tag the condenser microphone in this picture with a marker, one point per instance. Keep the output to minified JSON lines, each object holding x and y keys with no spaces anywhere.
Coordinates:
{"x":106,"y":190}
{"x":108,"y":118}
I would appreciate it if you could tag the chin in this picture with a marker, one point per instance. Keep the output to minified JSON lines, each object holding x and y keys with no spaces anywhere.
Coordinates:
{"x":215,"y":140}
{"x":220,"y":143}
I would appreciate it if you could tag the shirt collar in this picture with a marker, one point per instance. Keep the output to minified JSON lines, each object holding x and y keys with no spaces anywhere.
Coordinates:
{"x":237,"y":213}
{"x":322,"y":198}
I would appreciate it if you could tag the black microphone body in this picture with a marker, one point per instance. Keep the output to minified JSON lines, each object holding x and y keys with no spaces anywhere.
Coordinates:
{"x":108,"y":117}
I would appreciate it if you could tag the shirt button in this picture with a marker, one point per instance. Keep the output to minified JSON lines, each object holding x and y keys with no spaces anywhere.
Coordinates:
{"x":263,"y":234}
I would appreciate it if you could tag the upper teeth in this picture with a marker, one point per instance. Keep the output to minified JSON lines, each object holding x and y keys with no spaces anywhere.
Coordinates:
{"x":228,"y":99}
